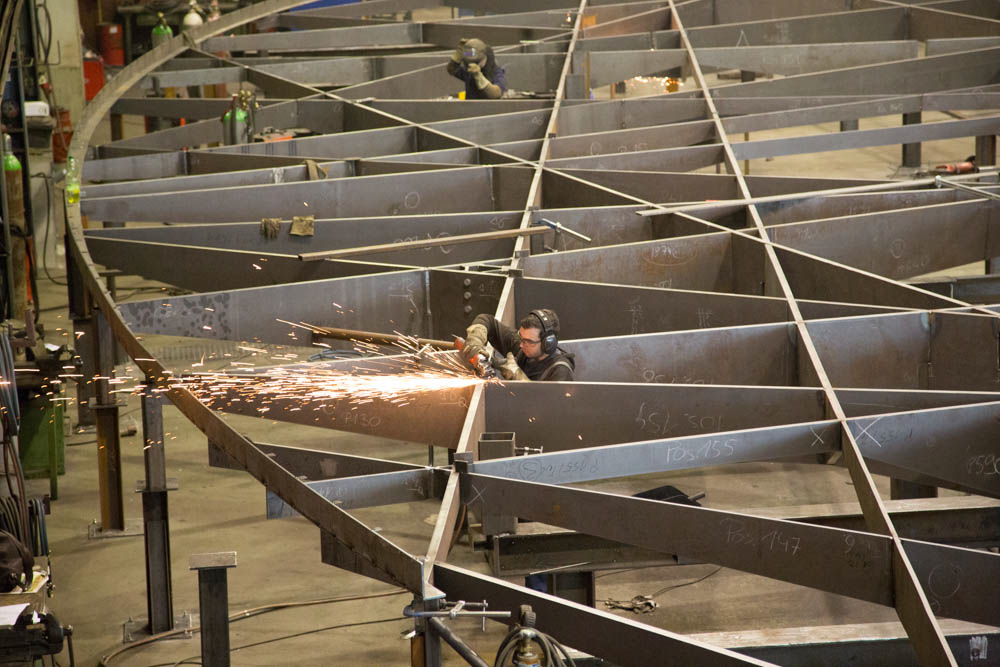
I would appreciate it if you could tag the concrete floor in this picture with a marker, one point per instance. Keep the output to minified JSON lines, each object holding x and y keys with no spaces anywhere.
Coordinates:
{"x":100,"y":583}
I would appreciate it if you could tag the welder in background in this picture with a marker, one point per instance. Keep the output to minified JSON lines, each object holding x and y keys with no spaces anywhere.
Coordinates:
{"x":531,"y":352}
{"x":473,"y":62}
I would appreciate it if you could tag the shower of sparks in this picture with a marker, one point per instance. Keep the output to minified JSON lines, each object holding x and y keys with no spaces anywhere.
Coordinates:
{"x":394,"y":380}
{"x":410,"y":372}
{"x":300,"y":388}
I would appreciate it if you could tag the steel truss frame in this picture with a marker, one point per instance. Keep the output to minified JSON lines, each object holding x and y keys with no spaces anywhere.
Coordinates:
{"x":780,"y":303}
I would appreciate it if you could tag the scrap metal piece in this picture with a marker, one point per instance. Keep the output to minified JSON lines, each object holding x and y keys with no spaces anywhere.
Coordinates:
{"x":640,"y":604}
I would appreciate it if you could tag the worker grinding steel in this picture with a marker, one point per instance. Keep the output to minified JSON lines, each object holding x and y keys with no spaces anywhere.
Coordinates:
{"x":473,"y":62}
{"x":531,"y":352}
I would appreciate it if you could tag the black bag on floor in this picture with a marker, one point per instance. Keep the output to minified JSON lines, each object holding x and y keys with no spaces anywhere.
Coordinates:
{"x":16,"y":563}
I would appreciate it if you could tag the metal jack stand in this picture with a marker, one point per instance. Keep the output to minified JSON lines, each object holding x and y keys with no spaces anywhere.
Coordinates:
{"x":81,"y":311}
{"x":159,"y":592}
{"x":105,"y":408}
{"x":213,"y":605}
{"x":425,"y":643}
{"x":156,"y":528}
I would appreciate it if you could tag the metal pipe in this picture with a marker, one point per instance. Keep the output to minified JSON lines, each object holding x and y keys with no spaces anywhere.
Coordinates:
{"x":410,"y":612}
{"x":421,"y":243}
{"x":856,"y":189}
{"x":559,"y":227}
{"x":379,"y":338}
{"x":938,"y":181}
{"x":456,"y":643}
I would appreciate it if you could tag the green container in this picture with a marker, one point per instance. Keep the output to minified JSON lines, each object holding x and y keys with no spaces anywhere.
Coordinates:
{"x":41,"y":431}
{"x":161,"y":32}
{"x":11,"y":163}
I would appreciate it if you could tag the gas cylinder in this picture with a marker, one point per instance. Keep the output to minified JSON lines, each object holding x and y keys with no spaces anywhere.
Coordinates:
{"x":72,"y":182}
{"x":234,"y":132}
{"x":193,"y":18}
{"x":161,"y":31}
{"x":14,"y":187}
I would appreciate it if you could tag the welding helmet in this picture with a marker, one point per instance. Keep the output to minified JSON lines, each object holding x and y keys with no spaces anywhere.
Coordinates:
{"x":473,"y":51}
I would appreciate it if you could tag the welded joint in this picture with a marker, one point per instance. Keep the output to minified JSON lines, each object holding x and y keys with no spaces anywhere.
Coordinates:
{"x":171,"y":485}
{"x":928,"y":321}
{"x":93,"y":404}
{"x":463,"y":461}
{"x":437,"y":481}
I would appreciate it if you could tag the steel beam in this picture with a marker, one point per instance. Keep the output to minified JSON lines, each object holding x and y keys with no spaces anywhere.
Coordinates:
{"x":902,"y":243}
{"x":958,"y":520}
{"x":814,"y":556}
{"x":920,"y":75}
{"x":463,"y":190}
{"x":865,"y":645}
{"x":662,"y":455}
{"x":600,"y":414}
{"x":375,"y":490}
{"x":207,"y":270}
{"x":908,"y":440}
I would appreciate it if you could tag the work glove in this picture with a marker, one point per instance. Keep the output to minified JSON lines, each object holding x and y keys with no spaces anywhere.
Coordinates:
{"x":459,"y":53}
{"x":475,"y":341}
{"x":510,"y":370}
{"x":477,"y":75}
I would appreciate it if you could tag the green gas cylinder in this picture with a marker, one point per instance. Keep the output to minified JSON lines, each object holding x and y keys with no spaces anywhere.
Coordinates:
{"x":241,"y":116}
{"x":72,"y":182}
{"x":10,"y":161}
{"x":18,"y":227}
{"x":234,"y":132}
{"x":161,"y":31}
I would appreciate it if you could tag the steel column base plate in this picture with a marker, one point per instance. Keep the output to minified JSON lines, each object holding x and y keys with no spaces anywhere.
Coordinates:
{"x":133,"y":528}
{"x":138,"y":628}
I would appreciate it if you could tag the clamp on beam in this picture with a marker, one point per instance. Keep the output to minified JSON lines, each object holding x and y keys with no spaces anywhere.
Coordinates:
{"x":558,"y":227}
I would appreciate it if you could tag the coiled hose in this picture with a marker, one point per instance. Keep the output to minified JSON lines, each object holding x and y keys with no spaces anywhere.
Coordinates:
{"x":553,"y":653}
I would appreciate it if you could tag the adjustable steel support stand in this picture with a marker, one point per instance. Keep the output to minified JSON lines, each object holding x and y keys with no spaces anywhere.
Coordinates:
{"x":81,"y":311}
{"x":213,"y":605}
{"x":105,"y":407}
{"x":425,"y":645}
{"x":156,"y":528}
